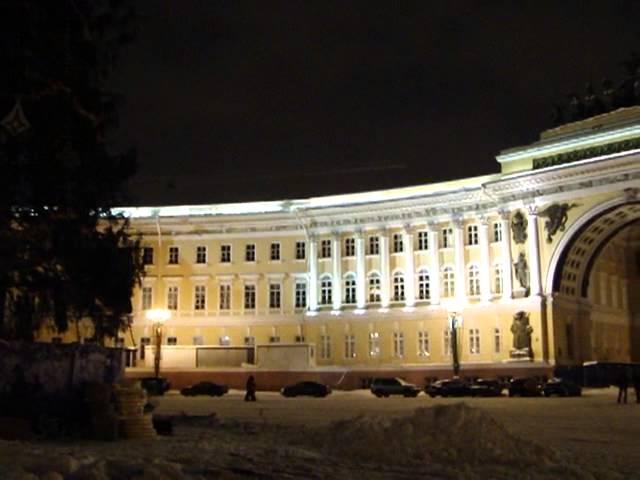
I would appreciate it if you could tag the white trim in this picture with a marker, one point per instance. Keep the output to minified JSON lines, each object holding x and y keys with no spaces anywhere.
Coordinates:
{"x":200,"y":278}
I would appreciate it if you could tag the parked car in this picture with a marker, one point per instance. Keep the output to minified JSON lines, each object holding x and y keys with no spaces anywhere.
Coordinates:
{"x":383,"y":387}
{"x":205,"y":388}
{"x":310,"y":389}
{"x":486,"y":388}
{"x":562,"y":388}
{"x":525,"y":387}
{"x":452,"y":387}
{"x":155,"y":385}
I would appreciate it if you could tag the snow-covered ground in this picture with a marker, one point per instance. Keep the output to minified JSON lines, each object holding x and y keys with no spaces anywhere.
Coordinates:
{"x":355,"y":435}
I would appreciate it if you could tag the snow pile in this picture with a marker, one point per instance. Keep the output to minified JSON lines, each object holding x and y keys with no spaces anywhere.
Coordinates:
{"x":442,"y":434}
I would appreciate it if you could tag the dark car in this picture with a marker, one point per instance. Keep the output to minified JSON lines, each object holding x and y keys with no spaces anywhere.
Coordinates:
{"x":453,"y":387}
{"x":310,"y":389}
{"x":562,"y":388}
{"x":383,"y":387}
{"x":525,"y":387}
{"x":486,"y":388}
{"x":155,"y":385}
{"x":205,"y":388}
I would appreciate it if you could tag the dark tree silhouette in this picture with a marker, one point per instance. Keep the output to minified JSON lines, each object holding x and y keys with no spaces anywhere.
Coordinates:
{"x":64,"y":255}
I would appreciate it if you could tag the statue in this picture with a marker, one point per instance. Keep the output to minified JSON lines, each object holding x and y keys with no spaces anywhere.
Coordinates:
{"x":592,"y":104}
{"x":575,"y":109}
{"x":522,"y":272}
{"x":608,"y":95}
{"x":521,"y":331}
{"x":557,"y":217}
{"x":519,"y":227}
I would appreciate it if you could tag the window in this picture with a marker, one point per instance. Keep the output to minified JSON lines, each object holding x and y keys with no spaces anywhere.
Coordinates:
{"x":474,"y":280}
{"x":374,"y":245}
{"x":497,"y":231}
{"x":275,"y":252}
{"x":249,"y":297}
{"x":299,"y":339}
{"x":398,"y":287}
{"x":325,"y":347}
{"x":423,"y":240}
{"x":397,"y":243}
{"x":448,"y":282}
{"x":447,"y":342}
{"x":474,"y":341}
{"x":174,"y":255}
{"x":497,"y":340}
{"x":249,"y":340}
{"x":275,"y":290}
{"x":147,"y":256}
{"x":225,"y":253}
{"x":225,"y":296}
{"x":374,"y":344}
{"x":224,"y":340}
{"x":274,"y":339}
{"x":250,"y":252}
{"x":325,"y":249}
{"x":423,"y":344}
{"x":447,"y":238}
{"x":350,"y":346}
{"x":398,"y":344}
{"x":301,"y":250}
{"x":147,"y":298}
{"x":374,"y":288}
{"x":172,"y":340}
{"x":201,"y":254}
{"x":198,"y":340}
{"x":350,"y":289}
{"x":472,"y":235}
{"x":325,"y":291}
{"x":423,"y":285}
{"x":172,"y":297}
{"x":497,"y":279}
{"x":350,"y":247}
{"x":144,"y":341}
{"x":200,"y":296}
{"x":301,"y":295}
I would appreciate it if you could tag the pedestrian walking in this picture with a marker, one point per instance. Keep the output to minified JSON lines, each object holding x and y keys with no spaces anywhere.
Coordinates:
{"x":250,"y":396}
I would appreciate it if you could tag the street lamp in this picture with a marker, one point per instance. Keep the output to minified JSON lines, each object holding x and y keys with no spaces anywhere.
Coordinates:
{"x":455,"y":322}
{"x":158,"y":316}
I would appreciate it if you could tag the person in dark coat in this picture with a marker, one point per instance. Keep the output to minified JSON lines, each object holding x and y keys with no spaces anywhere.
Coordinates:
{"x":250,"y":396}
{"x":623,"y":386}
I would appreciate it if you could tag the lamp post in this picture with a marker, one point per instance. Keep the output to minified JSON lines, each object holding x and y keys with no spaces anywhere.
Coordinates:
{"x":455,"y":322}
{"x":158,"y":317}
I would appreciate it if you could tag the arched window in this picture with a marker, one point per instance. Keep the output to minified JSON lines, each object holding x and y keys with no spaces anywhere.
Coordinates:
{"x":374,"y":288}
{"x":497,"y":279}
{"x":448,"y":282}
{"x":423,"y":285}
{"x":350,"y":289}
{"x":398,"y":287}
{"x":474,"y":280}
{"x":325,"y":290}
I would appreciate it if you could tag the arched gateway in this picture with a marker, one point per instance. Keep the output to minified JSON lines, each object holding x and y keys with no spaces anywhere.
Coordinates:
{"x":518,"y":271}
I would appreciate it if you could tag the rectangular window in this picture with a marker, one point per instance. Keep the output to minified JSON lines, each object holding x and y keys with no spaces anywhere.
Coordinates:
{"x":325,"y":347}
{"x":147,"y":256}
{"x":497,"y":231}
{"x":423,"y":240}
{"x":423,"y":344}
{"x":374,"y":245}
{"x":301,"y":250}
{"x":350,"y":247}
{"x":200,"y":298}
{"x":144,"y":341}
{"x":174,"y":255}
{"x":447,"y":342}
{"x":325,"y":291}
{"x":201,"y":254}
{"x":325,"y":249}
{"x":198,"y":340}
{"x":474,"y":341}
{"x":147,"y":298}
{"x":275,"y":252}
{"x":374,"y":344}
{"x":249,"y":297}
{"x":398,"y":344}
{"x":447,"y":238}
{"x":172,"y":297}
{"x":249,"y":340}
{"x":225,"y":253}
{"x":224,"y":341}
{"x":172,"y":340}
{"x":301,"y":295}
{"x":274,"y":339}
{"x":497,"y":340}
{"x":350,"y":346}
{"x":274,"y":295}
{"x":398,"y":245}
{"x":497,"y":279}
{"x":250,"y":252}
{"x":225,"y":296}
{"x":374,"y":289}
{"x":472,"y":235}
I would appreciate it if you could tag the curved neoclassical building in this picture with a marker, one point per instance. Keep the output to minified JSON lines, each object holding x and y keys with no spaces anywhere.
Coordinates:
{"x":527,"y":269}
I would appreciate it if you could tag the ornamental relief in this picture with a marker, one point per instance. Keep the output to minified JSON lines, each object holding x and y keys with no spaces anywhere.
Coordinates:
{"x":556,"y":215}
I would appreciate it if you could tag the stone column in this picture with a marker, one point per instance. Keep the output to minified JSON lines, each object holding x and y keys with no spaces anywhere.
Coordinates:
{"x":507,"y":262}
{"x":434,"y":271}
{"x":336,"y":260}
{"x":361,"y":278}
{"x":534,"y":254}
{"x":485,"y":267}
{"x":313,"y":273}
{"x":458,"y":245}
{"x":409,"y":266}
{"x":384,"y":269}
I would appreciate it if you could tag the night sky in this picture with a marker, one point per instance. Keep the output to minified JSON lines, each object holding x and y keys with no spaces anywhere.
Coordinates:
{"x":235,"y":101}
